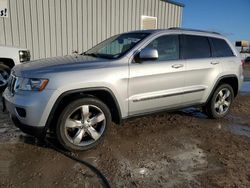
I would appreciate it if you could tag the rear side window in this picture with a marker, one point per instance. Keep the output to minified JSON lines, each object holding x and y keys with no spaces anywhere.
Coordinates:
{"x":194,"y":47}
{"x":221,"y":48}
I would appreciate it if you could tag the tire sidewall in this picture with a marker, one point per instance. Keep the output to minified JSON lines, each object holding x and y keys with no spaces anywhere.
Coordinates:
{"x":60,"y":132}
{"x":214,"y":114}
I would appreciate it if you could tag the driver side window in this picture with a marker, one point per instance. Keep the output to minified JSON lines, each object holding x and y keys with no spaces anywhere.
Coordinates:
{"x":167,"y":47}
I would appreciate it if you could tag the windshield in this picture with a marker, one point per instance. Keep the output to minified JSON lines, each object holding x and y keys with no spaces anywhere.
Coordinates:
{"x":116,"y":46}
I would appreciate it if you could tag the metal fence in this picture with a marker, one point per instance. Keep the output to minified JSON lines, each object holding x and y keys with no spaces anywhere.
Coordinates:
{"x":58,"y":27}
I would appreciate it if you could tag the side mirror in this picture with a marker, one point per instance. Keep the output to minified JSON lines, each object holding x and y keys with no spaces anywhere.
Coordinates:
{"x":148,"y":54}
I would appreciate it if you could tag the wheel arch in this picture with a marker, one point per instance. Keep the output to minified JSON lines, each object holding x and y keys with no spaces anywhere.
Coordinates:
{"x":232,"y":80}
{"x":8,"y":62}
{"x":103,"y":94}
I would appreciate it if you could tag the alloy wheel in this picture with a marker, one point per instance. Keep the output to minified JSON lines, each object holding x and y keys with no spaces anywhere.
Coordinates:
{"x":222,"y":101}
{"x":85,"y":125}
{"x":4,"y":75}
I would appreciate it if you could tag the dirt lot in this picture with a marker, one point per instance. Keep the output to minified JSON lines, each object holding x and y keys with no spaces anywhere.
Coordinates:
{"x":180,"y":149}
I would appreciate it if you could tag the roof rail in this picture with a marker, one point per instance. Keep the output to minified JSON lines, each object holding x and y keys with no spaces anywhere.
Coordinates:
{"x":197,"y":30}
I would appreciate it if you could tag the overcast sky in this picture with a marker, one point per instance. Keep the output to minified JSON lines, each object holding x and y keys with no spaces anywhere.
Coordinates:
{"x":229,"y":17}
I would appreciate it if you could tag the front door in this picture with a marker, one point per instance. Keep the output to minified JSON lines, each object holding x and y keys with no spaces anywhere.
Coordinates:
{"x":157,"y":84}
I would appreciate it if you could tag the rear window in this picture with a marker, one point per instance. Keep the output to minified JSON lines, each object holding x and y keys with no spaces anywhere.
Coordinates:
{"x":194,"y":47}
{"x":220,"y":48}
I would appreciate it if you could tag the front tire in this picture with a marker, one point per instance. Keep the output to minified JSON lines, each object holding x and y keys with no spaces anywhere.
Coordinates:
{"x":83,"y":124}
{"x":4,"y":75}
{"x":220,"y":103}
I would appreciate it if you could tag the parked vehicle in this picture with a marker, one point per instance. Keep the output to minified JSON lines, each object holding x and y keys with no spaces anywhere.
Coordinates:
{"x":247,"y":60}
{"x":9,"y":57}
{"x":127,"y":75}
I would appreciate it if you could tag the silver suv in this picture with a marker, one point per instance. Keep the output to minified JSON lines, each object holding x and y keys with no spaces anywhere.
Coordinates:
{"x":131,"y":74}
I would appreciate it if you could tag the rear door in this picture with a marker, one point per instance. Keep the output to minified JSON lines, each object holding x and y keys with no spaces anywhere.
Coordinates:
{"x":224,"y":55}
{"x":157,"y":84}
{"x":201,"y":68}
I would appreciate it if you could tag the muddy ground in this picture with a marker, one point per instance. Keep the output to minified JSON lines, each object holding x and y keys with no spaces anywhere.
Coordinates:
{"x":179,"y":149}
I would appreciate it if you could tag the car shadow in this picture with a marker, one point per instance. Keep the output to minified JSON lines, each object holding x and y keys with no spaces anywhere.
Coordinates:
{"x":192,"y":112}
{"x":48,"y":142}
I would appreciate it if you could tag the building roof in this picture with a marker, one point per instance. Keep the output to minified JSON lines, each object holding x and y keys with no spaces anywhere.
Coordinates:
{"x":175,"y":3}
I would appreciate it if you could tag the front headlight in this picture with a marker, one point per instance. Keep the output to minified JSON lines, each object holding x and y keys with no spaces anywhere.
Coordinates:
{"x":31,"y":84}
{"x":24,"y":55}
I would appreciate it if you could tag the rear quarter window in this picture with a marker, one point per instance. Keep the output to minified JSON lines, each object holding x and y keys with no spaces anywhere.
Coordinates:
{"x":220,"y":48}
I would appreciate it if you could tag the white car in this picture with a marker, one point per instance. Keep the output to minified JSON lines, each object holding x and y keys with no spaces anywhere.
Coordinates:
{"x":9,"y":57}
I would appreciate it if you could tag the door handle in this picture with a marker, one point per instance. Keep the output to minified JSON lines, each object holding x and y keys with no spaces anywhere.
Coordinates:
{"x":176,"y":66}
{"x":215,"y":62}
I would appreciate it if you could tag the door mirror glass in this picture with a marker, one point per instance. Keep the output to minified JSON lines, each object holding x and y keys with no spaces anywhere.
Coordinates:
{"x":148,"y":54}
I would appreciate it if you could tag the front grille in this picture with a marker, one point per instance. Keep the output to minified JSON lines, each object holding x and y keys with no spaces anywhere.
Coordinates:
{"x":12,"y":84}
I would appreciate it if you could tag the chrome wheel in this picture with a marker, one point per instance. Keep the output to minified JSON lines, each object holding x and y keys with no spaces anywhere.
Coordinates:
{"x":4,"y":75}
{"x":85,"y":125}
{"x":222,"y":101}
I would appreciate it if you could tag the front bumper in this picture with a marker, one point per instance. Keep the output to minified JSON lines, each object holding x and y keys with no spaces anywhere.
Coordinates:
{"x":35,"y":106}
{"x":38,"y":132}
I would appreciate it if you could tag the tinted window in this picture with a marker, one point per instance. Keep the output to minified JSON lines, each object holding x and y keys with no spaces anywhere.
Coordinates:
{"x":221,"y":48}
{"x":167,"y":47}
{"x":195,"y":47}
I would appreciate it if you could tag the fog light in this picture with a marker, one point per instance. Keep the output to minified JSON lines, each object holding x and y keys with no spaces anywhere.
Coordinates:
{"x":21,"y":112}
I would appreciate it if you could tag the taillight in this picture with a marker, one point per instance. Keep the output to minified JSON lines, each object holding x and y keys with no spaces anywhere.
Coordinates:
{"x":242,"y":62}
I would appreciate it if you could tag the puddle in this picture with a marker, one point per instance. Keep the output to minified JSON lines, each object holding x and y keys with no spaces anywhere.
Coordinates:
{"x":246,"y":79}
{"x":239,"y":129}
{"x":245,"y":87}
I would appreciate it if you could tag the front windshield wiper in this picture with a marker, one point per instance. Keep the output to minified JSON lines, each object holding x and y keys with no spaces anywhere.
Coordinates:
{"x":91,"y":54}
{"x":105,"y":56}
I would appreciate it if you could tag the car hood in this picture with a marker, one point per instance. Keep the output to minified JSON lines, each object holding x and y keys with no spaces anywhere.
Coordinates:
{"x":58,"y":64}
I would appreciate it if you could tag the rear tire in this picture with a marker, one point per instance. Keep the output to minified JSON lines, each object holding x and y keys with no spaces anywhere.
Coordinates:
{"x":4,"y":75}
{"x":220,"y":103}
{"x":83,"y":124}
